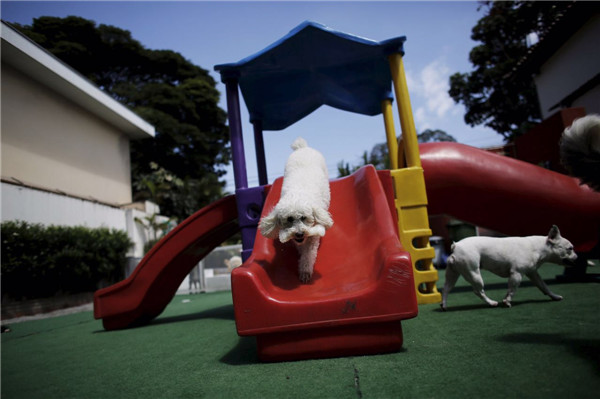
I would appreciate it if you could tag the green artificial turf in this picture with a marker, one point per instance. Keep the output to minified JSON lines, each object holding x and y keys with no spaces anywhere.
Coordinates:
{"x":536,"y":349}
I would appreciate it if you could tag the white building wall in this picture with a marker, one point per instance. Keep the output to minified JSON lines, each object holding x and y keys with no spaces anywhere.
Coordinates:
{"x":41,"y":207}
{"x":52,"y":142}
{"x":37,"y":206}
{"x":575,"y":63}
{"x":590,"y":101}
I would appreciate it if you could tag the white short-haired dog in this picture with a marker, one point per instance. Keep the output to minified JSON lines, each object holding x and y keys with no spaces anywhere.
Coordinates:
{"x":302,"y":213}
{"x":507,"y":257}
{"x":580,"y":150}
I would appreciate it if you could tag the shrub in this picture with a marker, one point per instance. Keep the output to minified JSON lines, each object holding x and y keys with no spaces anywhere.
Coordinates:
{"x":41,"y":261}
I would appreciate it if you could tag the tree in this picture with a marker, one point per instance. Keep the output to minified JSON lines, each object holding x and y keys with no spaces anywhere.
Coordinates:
{"x":179,"y":98}
{"x":491,"y":95}
{"x":428,"y":136}
{"x":379,"y":156}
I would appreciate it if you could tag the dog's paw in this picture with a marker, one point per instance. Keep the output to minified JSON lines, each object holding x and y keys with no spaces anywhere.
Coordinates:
{"x":556,"y":297}
{"x":316,"y":230}
{"x":444,"y":308}
{"x":305,"y":277}
{"x":493,"y":304}
{"x":506,"y":303}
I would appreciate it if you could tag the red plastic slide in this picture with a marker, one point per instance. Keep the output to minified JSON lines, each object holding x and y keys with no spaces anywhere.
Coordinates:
{"x":361,"y":289}
{"x":144,"y":295}
{"x":507,"y":195}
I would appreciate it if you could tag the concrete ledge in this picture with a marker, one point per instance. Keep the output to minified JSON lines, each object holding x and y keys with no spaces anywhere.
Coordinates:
{"x":15,"y":309}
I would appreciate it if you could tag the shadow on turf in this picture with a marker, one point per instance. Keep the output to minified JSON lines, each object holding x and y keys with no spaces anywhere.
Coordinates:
{"x":488,"y":288}
{"x":243,"y":353}
{"x":499,"y":286}
{"x":480,"y":306}
{"x":222,"y":312}
{"x":588,"y":349}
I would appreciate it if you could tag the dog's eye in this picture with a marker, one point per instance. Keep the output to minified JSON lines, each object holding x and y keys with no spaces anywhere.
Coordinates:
{"x":290,"y":219}
{"x":303,"y":218}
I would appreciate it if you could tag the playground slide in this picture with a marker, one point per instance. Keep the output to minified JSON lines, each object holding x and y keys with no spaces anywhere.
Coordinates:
{"x":507,"y":195}
{"x":144,"y":295}
{"x":362,"y":286}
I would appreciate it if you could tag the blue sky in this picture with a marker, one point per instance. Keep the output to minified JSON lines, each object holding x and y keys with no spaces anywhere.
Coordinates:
{"x":210,"y":33}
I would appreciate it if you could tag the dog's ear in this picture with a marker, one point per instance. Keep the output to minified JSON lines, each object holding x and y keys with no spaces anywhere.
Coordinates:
{"x":322,"y":217}
{"x":269,"y":226}
{"x":554,"y":235}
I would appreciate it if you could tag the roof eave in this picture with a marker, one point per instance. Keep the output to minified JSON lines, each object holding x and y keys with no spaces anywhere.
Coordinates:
{"x":574,"y":17}
{"x":31,"y":59}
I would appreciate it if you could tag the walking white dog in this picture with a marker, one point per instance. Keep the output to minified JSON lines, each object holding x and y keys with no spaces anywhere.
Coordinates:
{"x":302,"y":213}
{"x":507,"y":257}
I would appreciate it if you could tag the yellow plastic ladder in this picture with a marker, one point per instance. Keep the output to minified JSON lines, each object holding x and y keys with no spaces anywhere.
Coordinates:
{"x":409,"y":186}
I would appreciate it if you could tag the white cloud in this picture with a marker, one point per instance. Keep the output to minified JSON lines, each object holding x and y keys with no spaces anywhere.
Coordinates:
{"x":414,"y":86}
{"x":434,"y":78}
{"x":421,"y":118}
{"x":429,"y":95}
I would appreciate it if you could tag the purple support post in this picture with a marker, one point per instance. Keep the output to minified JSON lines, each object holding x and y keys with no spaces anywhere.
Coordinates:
{"x":235,"y":131}
{"x":249,"y":200}
{"x":260,"y":153}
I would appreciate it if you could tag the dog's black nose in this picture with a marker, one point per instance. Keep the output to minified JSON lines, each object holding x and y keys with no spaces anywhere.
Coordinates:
{"x":299,"y":235}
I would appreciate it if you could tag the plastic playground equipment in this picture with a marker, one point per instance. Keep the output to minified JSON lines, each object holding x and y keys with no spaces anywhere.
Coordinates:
{"x":375,"y":263}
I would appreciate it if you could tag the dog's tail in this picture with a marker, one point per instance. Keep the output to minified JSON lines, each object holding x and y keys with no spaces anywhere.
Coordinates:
{"x":299,"y":143}
{"x":450,"y":262}
{"x":451,"y":259}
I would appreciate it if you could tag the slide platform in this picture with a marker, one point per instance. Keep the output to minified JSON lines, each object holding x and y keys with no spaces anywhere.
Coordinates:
{"x":144,"y":295}
{"x":507,"y":195}
{"x":361,"y":289}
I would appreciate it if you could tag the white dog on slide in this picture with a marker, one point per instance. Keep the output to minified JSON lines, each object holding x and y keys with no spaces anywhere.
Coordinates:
{"x":507,"y":257}
{"x":302,"y":213}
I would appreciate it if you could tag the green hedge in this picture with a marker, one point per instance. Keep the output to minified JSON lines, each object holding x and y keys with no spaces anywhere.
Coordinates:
{"x":41,"y":261}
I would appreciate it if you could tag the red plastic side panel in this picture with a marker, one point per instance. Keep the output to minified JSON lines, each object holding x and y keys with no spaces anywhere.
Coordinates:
{"x":507,"y":195}
{"x":385,"y":177}
{"x":362,"y":280}
{"x":145,"y":294}
{"x":336,"y":341}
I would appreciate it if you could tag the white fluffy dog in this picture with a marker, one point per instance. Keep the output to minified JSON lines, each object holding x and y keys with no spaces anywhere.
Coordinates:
{"x":507,"y":257}
{"x":302,"y":212}
{"x":580,"y":150}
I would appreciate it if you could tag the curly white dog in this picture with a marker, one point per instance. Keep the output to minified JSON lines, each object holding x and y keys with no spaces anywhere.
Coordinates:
{"x":302,"y":213}
{"x":580,"y":150}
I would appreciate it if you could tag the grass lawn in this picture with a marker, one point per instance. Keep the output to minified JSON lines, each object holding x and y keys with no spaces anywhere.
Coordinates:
{"x":536,"y":349}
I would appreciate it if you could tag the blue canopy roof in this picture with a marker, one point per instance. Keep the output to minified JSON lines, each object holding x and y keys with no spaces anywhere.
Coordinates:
{"x":311,"y":66}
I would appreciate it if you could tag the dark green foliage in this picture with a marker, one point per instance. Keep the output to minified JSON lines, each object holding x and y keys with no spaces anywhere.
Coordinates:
{"x":179,"y":98}
{"x":436,"y":135}
{"x":40,"y":261}
{"x":492,"y":95}
{"x":379,"y":157}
